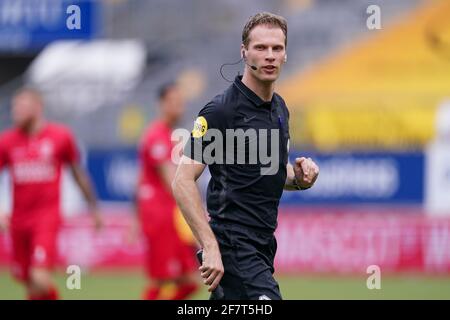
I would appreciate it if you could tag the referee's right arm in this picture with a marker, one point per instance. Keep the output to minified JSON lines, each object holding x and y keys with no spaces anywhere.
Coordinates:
{"x":187,"y":195}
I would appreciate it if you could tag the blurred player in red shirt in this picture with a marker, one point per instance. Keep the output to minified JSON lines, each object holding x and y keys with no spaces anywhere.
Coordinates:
{"x":34,"y":151}
{"x":171,"y":262}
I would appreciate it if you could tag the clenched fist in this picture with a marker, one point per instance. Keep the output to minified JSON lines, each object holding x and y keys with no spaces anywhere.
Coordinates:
{"x":306,"y":172}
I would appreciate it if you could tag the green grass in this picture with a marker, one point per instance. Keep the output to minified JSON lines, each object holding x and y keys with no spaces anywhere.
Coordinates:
{"x":129,"y":285}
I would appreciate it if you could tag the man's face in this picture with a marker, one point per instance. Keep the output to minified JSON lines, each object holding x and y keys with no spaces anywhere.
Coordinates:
{"x":26,"y":108}
{"x":266,"y":51}
{"x":173,"y":104}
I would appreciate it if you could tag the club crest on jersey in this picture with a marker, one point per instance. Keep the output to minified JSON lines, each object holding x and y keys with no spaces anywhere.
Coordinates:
{"x":46,"y":149}
{"x":200,"y":127}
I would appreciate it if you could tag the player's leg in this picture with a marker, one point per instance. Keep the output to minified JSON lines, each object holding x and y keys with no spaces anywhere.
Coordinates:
{"x":186,"y":286}
{"x":152,"y":290}
{"x":149,"y":227}
{"x":188,"y":280}
{"x":255,"y":263}
{"x":152,"y":224}
{"x":159,"y":268}
{"x":248,"y":263}
{"x":231,"y":281}
{"x":41,"y":285}
{"x":170,"y":271}
{"x":21,"y":255}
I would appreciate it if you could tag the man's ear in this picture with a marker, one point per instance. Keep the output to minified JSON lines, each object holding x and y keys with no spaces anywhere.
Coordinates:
{"x":242,"y":51}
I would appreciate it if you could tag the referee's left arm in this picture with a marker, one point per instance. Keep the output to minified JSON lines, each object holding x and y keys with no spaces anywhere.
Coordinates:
{"x":302,"y":175}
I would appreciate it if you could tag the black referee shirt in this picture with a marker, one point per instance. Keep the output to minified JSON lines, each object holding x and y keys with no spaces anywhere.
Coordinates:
{"x":239,"y":192}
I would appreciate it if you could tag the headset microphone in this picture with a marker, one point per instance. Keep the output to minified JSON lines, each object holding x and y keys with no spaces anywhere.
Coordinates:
{"x":245,"y":61}
{"x":231,"y":64}
{"x":251,"y":66}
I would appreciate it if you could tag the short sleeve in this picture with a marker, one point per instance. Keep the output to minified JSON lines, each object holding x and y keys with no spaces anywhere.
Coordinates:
{"x":70,"y":149}
{"x":209,"y":123}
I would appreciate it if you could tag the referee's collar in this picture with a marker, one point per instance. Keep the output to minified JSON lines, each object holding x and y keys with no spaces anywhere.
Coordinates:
{"x":253,"y":97}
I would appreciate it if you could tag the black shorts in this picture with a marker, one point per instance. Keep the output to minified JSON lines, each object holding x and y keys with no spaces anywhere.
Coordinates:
{"x":248,"y":258}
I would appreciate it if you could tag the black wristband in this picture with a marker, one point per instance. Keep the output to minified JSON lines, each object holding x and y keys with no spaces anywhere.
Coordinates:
{"x":297,"y":186}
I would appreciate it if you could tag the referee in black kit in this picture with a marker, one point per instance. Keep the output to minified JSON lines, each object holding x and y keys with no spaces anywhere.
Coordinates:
{"x":243,"y":136}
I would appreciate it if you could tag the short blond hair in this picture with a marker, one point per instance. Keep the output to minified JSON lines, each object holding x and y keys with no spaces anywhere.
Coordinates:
{"x":263,"y":18}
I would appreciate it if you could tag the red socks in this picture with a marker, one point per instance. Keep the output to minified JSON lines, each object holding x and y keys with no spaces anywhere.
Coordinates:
{"x":185,"y":291}
{"x":151,"y":293}
{"x":51,"y":294}
{"x":170,"y":292}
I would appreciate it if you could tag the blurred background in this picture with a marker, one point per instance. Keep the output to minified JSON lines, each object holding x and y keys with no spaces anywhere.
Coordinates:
{"x":372,"y":106}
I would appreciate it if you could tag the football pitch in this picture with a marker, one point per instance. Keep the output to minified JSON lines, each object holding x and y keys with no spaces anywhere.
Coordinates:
{"x":130,"y":284}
